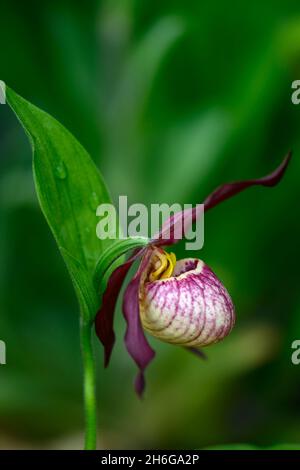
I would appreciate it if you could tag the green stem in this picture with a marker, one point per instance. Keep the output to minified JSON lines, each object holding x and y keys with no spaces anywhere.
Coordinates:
{"x":89,"y":385}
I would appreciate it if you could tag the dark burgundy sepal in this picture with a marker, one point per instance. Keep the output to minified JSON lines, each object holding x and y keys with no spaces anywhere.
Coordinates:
{"x":105,"y":316}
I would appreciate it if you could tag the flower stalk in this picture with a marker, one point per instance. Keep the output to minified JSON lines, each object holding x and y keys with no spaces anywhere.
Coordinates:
{"x":89,"y":385}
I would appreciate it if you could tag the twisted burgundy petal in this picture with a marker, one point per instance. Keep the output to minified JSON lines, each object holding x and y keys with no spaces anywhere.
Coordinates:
{"x":175,"y":226}
{"x":105,"y":316}
{"x":135,"y":340}
{"x":228,"y":190}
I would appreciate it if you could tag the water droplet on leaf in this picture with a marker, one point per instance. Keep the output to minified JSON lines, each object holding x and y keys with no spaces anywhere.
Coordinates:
{"x":94,"y":201}
{"x":61,"y":170}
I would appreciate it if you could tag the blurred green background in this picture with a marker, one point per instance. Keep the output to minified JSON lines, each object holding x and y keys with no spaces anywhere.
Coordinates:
{"x":171,"y":99}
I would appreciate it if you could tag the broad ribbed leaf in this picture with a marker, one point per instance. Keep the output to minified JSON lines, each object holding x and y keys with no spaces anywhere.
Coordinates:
{"x":69,"y":188}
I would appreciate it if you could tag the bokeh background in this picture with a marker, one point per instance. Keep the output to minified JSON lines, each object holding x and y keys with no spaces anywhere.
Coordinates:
{"x":171,"y":99}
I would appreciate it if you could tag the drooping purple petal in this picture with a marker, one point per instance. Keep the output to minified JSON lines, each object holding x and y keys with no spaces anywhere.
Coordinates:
{"x":105,"y":316}
{"x":139,"y":383}
{"x":135,"y":340}
{"x":228,"y":190}
{"x":176,"y":226}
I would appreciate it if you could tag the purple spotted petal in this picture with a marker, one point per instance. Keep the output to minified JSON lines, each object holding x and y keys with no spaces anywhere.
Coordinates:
{"x":226,"y":191}
{"x":135,"y":340}
{"x":105,"y":316}
{"x":192,"y":308}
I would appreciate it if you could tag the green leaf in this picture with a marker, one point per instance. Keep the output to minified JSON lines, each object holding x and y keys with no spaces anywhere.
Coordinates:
{"x":69,"y":188}
{"x":112,"y":257}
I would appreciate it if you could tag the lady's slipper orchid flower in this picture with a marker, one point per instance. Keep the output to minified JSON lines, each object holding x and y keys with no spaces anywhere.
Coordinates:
{"x":180,"y":302}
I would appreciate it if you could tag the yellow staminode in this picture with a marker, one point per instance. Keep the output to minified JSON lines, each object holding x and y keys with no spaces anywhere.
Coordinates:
{"x":166,"y":267}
